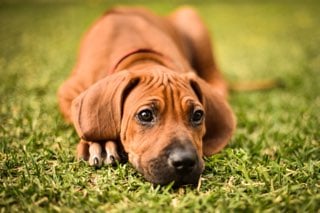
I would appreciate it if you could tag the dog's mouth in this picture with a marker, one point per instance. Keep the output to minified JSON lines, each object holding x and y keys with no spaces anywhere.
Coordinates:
{"x":163,"y":174}
{"x":161,"y":171}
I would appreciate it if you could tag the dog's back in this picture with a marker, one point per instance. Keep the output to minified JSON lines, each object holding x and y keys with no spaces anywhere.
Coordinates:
{"x":117,"y":33}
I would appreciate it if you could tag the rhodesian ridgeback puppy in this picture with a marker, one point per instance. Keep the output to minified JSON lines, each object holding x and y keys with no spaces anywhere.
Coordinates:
{"x":147,"y":88}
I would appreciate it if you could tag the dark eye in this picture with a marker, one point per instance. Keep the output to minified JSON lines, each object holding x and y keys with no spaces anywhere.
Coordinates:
{"x":145,"y":116}
{"x":197,"y":117}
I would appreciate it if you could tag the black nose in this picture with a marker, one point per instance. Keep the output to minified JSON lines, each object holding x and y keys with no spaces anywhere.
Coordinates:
{"x":183,"y":160}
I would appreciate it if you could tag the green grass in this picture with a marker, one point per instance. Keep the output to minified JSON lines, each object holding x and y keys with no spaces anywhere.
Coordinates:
{"x":271,"y":164}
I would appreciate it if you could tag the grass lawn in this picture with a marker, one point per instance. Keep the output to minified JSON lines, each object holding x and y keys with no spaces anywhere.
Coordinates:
{"x":271,"y":164}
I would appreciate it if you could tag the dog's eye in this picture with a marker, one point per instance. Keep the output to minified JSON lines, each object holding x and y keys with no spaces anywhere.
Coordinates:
{"x":146,"y":116}
{"x":197,"y":117}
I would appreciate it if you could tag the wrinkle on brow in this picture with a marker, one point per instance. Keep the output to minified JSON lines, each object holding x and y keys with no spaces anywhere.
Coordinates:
{"x":179,"y":94}
{"x":155,"y":80}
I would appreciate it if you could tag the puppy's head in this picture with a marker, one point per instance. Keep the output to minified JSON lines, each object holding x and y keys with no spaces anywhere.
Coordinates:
{"x":165,"y":121}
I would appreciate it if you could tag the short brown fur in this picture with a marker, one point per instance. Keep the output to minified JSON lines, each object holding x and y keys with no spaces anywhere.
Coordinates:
{"x":131,"y":60}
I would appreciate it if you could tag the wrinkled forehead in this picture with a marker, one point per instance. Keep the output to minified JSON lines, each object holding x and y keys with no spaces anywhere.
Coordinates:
{"x":165,"y":87}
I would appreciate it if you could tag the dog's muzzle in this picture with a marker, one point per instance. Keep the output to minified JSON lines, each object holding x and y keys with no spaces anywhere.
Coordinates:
{"x":178,"y":163}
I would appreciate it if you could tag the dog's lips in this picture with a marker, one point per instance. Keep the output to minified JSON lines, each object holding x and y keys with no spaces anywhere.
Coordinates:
{"x":191,"y":178}
{"x":158,"y":172}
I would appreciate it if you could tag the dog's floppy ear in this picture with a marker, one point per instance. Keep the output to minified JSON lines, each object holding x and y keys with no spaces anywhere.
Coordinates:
{"x":220,"y":121}
{"x":97,"y":112}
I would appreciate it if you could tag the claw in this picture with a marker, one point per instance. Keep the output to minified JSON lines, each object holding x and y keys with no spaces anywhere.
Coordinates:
{"x":112,"y":159}
{"x":95,"y":161}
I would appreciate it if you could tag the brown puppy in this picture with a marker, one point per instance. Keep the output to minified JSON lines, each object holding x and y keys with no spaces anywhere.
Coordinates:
{"x":148,"y":87}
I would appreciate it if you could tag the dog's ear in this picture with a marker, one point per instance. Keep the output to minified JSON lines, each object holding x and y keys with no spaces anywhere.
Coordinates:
{"x":220,"y":121}
{"x":97,"y":112}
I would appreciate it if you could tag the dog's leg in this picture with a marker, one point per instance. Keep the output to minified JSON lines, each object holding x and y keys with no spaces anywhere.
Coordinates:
{"x":83,"y":150}
{"x":197,"y":41}
{"x":111,"y":153}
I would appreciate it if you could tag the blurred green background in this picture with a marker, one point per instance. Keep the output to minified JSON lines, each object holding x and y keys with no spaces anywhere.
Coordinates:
{"x":271,"y":164}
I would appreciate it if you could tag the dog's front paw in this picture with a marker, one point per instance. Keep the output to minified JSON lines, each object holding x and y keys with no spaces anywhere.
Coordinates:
{"x":112,"y":155}
{"x":98,"y":154}
{"x":95,"y":153}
